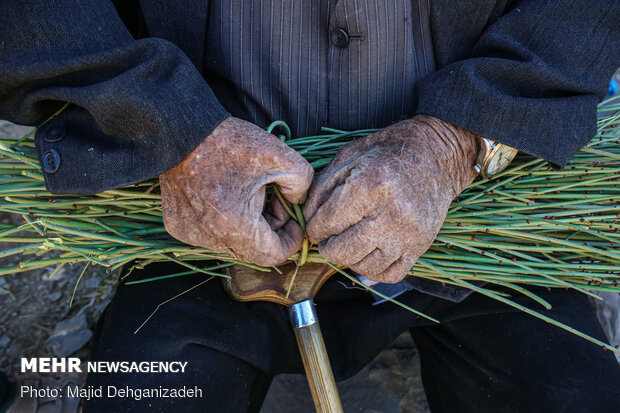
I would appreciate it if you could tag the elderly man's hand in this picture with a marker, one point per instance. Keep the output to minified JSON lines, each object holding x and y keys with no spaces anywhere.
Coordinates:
{"x":215,"y":197}
{"x":379,"y":204}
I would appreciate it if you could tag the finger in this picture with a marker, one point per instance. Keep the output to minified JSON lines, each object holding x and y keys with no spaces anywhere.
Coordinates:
{"x":346,"y":206}
{"x":291,"y":237}
{"x":295,"y":180}
{"x":395,"y":272}
{"x":275,"y":214}
{"x":269,"y":248}
{"x":376,"y":262}
{"x":331,"y":177}
{"x":352,"y":245}
{"x":266,"y":158}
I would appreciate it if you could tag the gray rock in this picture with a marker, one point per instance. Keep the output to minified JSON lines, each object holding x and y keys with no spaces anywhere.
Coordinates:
{"x":69,"y":336}
{"x":4,"y":286}
{"x":91,"y":283}
{"x":14,"y":131}
{"x":54,"y":296}
{"x":4,"y":341}
{"x":608,"y":313}
{"x":60,"y":275}
{"x":391,"y":383}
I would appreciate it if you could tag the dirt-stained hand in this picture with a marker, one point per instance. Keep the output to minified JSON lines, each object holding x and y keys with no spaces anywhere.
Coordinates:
{"x":215,"y":197}
{"x":380,"y":203}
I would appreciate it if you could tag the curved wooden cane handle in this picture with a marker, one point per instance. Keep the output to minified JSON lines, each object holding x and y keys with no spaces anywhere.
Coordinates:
{"x":314,"y":356}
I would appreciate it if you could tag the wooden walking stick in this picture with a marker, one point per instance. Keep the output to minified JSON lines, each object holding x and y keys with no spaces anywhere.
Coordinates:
{"x":247,"y":284}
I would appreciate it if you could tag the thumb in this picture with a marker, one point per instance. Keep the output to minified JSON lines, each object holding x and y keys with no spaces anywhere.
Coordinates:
{"x":295,"y":182}
{"x":267,"y":247}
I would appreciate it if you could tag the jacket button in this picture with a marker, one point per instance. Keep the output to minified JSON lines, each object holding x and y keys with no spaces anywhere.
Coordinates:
{"x":55,"y":134}
{"x":339,"y":37}
{"x":50,"y":161}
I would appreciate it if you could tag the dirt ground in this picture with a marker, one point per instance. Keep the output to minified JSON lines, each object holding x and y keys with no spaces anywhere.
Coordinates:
{"x":32,"y":304}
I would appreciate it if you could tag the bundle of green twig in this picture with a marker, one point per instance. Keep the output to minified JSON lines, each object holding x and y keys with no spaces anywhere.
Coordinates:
{"x":531,"y":225}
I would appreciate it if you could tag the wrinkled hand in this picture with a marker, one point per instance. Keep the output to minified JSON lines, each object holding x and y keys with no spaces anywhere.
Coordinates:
{"x":380,"y":203}
{"x":214,"y":198}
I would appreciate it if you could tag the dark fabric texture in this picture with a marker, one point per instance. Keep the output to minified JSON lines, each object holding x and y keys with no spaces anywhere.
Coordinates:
{"x":526,"y":73}
{"x":281,"y":60}
{"x":452,"y":293}
{"x":138,"y":106}
{"x":483,"y":357}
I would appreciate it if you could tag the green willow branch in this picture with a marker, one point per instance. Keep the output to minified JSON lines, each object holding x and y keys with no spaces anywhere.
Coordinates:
{"x":529,"y":227}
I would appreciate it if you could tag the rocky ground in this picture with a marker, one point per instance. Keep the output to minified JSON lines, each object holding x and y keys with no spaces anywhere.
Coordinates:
{"x":36,"y":319}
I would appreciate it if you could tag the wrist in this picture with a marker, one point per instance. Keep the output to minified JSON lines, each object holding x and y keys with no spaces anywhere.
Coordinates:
{"x":454,"y":140}
{"x":455,"y":148}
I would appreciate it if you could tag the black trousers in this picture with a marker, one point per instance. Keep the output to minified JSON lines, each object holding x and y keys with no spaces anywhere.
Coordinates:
{"x":483,"y":357}
{"x":7,"y":392}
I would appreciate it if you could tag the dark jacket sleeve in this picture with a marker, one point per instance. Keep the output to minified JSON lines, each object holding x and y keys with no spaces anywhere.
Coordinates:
{"x":532,"y":77}
{"x":137,"y":106}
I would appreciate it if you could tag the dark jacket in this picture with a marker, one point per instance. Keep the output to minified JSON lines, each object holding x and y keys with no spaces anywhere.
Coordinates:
{"x":528,"y":73}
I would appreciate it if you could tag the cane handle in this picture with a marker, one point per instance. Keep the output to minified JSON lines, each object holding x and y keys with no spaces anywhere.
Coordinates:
{"x":314,"y":356}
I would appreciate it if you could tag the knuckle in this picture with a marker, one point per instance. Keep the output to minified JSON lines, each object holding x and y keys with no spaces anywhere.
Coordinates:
{"x":349,"y":150}
{"x":307,"y":170}
{"x":407,"y":208}
{"x":394,"y":275}
{"x":343,"y":153}
{"x":308,"y":209}
{"x":308,"y":174}
{"x":331,"y":253}
{"x":386,"y":182}
{"x":365,"y":269}
{"x":313,"y":229}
